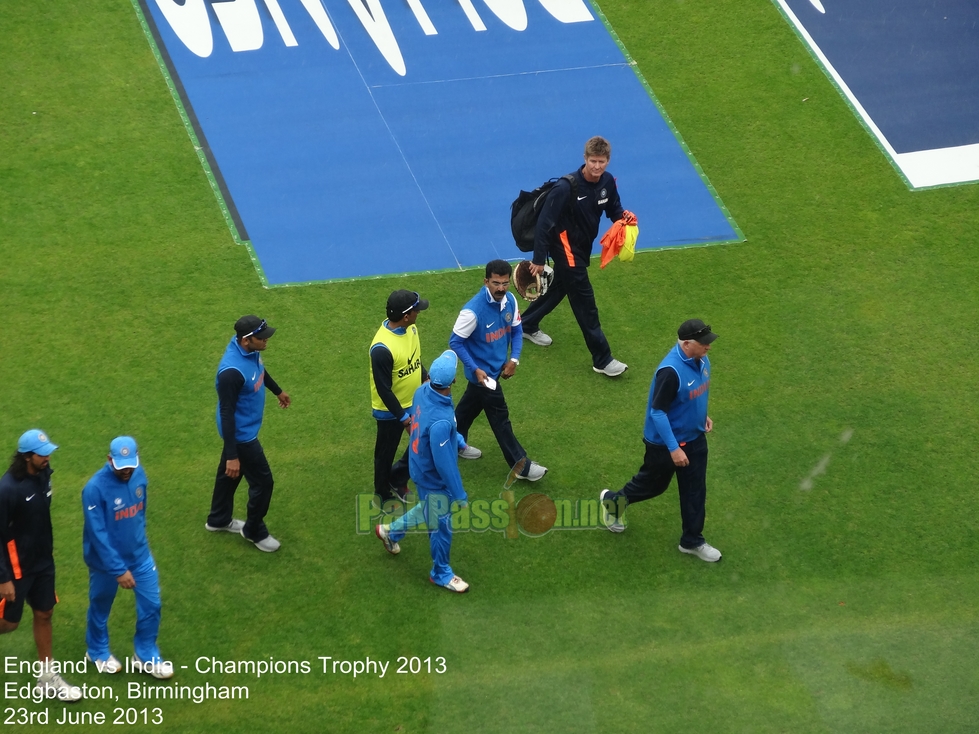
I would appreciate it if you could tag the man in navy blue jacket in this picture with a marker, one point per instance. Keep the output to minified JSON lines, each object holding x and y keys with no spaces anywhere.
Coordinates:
{"x":488,"y":337}
{"x":676,"y":442}
{"x":241,"y":382}
{"x":434,"y":466}
{"x":566,"y":231}
{"x":27,"y":554}
{"x":118,"y":555}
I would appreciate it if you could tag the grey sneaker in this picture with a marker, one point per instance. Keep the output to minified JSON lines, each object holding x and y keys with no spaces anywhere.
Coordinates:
{"x":268,"y":544}
{"x":381,"y":531}
{"x":52,"y":685}
{"x":456,"y":584}
{"x":161,"y":670}
{"x":615,"y":524}
{"x":234,"y":526}
{"x":705,"y":552}
{"x":613,"y":368}
{"x":470,"y":452}
{"x":535,"y":472}
{"x":539,"y":338}
{"x":109,"y":665}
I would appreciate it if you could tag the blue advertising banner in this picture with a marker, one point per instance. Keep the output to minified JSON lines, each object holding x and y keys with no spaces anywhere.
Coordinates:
{"x":354,"y":138}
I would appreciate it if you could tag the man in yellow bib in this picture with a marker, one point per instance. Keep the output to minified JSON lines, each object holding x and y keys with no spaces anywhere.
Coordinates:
{"x":396,"y":372}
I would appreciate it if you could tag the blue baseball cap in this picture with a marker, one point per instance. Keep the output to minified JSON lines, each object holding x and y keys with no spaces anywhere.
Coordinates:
{"x":123,"y":453}
{"x":442,"y":373}
{"x":35,"y":441}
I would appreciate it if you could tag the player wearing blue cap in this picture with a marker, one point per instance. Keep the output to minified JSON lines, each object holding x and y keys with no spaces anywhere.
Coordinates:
{"x":118,"y":555}
{"x":27,"y":553}
{"x":433,"y":463}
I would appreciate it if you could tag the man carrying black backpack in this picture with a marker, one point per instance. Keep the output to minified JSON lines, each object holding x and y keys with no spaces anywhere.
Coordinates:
{"x":566,"y":231}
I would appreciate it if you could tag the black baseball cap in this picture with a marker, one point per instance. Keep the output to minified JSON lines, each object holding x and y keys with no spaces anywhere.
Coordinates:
{"x":403,"y":301}
{"x":251,"y":325}
{"x":695,"y":330}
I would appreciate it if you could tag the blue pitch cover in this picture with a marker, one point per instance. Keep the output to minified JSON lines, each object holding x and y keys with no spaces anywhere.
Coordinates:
{"x":355,"y":138}
{"x":911,"y":71}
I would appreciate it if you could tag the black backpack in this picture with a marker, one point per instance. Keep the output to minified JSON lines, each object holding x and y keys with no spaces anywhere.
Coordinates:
{"x":526,"y":208}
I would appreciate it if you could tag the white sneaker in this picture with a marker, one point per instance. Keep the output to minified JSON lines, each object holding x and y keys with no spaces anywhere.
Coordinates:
{"x":470,"y":452}
{"x":109,"y":665}
{"x":161,"y":670}
{"x":539,"y":338}
{"x":267,"y":544}
{"x":52,"y":685}
{"x":615,"y":524}
{"x":381,"y":531}
{"x":234,"y":526}
{"x":535,"y":472}
{"x":613,"y":368}
{"x":456,"y":584}
{"x":705,"y":552}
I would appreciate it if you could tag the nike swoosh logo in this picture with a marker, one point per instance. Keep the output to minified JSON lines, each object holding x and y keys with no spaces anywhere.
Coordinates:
{"x":444,"y":442}
{"x":690,"y":383}
{"x":31,"y":497}
{"x":489,"y":324}
{"x":580,"y":198}
{"x":92,"y":507}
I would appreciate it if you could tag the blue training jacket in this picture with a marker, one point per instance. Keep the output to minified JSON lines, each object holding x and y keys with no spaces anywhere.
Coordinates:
{"x":497,"y":337}
{"x":688,"y":412}
{"x":251,"y":400}
{"x":433,"y":456}
{"x":114,"y":537}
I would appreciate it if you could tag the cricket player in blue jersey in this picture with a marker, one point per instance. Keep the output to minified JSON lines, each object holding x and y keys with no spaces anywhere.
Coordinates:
{"x":434,"y":467}
{"x":675,"y":434}
{"x":118,"y":555}
{"x":241,"y":383}
{"x":488,"y":337}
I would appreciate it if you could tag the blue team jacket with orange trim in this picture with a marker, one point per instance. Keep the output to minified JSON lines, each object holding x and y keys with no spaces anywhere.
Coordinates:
{"x":688,"y":412}
{"x":114,"y":537}
{"x":578,"y":224}
{"x":433,"y":454}
{"x":25,"y":525}
{"x":251,"y":400}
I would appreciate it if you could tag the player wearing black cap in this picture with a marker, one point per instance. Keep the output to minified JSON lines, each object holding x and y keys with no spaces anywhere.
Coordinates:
{"x":676,"y":441}
{"x":241,"y":382}
{"x":396,"y":372}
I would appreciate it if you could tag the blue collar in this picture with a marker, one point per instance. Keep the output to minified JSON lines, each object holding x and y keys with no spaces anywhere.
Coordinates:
{"x":695,"y":361}
{"x":400,"y":330}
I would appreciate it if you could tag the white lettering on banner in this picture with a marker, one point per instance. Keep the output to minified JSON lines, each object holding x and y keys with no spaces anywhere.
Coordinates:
{"x":568,"y":11}
{"x":377,"y":27}
{"x":280,"y":22}
{"x":322,"y":21}
{"x":472,"y":15}
{"x":190,"y":22}
{"x":511,"y":12}
{"x":422,"y":17}
{"x":241,"y":23}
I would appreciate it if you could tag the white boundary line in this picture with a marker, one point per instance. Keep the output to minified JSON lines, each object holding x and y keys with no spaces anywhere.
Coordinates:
{"x":922,"y":168}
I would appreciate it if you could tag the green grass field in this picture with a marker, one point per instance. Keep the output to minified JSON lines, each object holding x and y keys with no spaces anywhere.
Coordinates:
{"x":849,"y":311}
